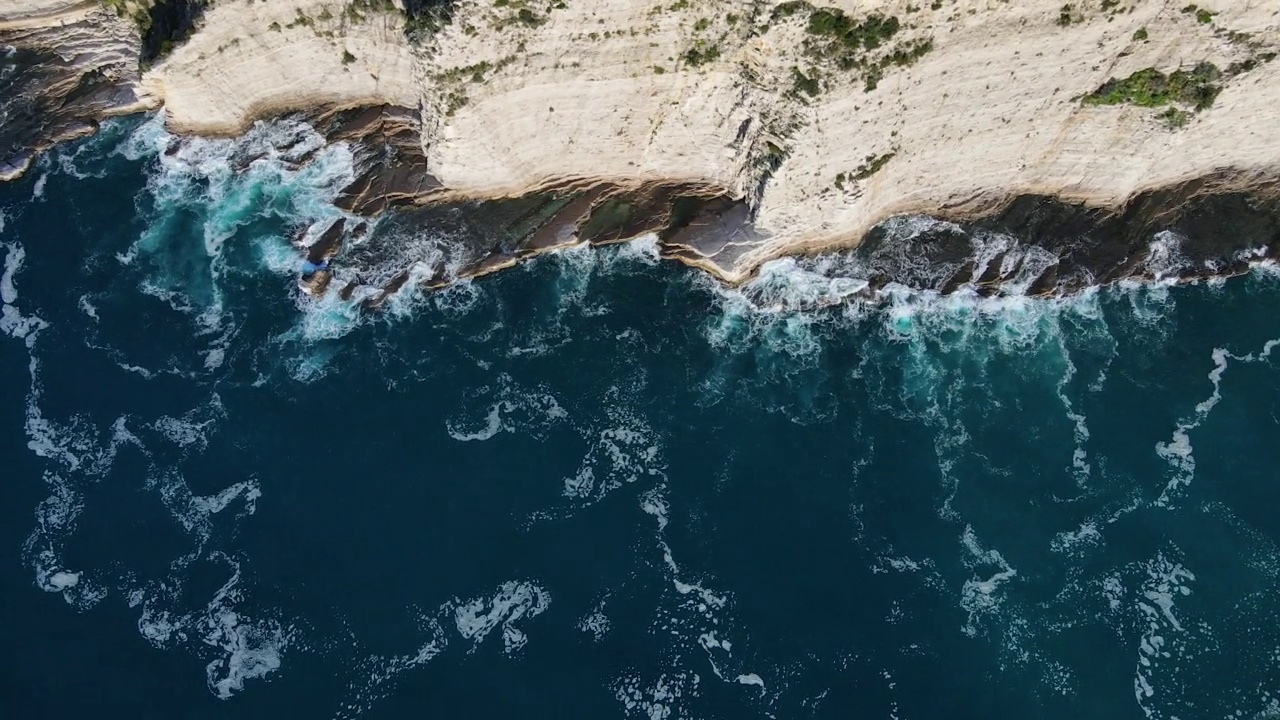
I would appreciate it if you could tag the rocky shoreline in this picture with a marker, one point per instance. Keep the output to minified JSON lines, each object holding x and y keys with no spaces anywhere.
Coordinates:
{"x":61,"y":74}
{"x":71,"y":64}
{"x":1036,"y":246}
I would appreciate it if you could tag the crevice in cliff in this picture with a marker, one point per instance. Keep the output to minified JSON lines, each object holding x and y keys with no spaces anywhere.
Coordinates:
{"x":426,"y":17}
{"x":169,"y":24}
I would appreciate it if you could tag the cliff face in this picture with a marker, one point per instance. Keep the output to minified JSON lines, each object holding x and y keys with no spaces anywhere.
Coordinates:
{"x":64,"y":66}
{"x":824,"y":119}
{"x":250,"y":60}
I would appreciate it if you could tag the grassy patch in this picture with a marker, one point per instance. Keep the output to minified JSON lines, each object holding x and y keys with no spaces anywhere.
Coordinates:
{"x":838,"y":37}
{"x":698,"y":55}
{"x":872,"y":165}
{"x":1203,"y":15}
{"x":806,"y":84}
{"x":300,"y":19}
{"x":454,"y":102}
{"x":1176,"y":117}
{"x":1151,"y":88}
{"x":835,"y":40}
{"x":907,"y":55}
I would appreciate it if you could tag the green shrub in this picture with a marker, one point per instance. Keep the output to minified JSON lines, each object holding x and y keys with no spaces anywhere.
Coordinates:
{"x":872,"y":165}
{"x":696,"y":56}
{"x":1152,"y":88}
{"x":1176,"y":117}
{"x":801,"y":83}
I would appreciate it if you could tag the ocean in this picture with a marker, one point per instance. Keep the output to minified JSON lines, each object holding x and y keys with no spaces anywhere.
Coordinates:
{"x":600,"y":484}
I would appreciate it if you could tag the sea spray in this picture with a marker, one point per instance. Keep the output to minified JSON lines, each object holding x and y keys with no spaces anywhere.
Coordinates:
{"x":610,"y":485}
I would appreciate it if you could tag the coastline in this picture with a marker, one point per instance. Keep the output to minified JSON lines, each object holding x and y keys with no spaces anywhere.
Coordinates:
{"x":512,"y":110}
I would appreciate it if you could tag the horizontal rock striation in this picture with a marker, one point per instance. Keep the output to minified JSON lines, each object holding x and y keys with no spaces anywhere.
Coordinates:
{"x":1214,"y":226}
{"x":388,"y":143}
{"x":63,"y":68}
{"x":739,"y":132}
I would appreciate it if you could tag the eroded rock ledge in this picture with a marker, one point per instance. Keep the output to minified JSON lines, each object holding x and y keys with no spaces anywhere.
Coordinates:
{"x":1216,"y":226}
{"x":64,"y":66}
{"x":739,"y":132}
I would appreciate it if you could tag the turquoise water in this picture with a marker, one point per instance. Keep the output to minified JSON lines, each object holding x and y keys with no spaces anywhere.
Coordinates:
{"x":599,"y":485}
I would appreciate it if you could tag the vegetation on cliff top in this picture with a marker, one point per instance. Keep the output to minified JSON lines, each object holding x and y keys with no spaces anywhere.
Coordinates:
{"x":837,"y":41}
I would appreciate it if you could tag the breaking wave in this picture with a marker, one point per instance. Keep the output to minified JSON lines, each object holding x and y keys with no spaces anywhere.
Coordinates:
{"x":687,"y":500}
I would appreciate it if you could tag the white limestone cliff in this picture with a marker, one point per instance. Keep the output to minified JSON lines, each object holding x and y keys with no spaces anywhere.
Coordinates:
{"x":604,"y":90}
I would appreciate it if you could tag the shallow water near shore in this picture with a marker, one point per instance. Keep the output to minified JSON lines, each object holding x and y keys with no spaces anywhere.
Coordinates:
{"x":599,"y":484}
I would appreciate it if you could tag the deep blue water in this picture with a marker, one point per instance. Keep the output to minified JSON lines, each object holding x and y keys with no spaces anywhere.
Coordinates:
{"x":600,"y":486}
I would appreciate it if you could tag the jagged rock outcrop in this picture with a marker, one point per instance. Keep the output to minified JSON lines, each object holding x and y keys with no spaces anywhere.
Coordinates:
{"x":807,"y":124}
{"x":64,"y":66}
{"x":388,"y":142}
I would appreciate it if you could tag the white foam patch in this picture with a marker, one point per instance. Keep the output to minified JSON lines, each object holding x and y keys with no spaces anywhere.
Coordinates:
{"x":87,"y":307}
{"x":658,"y":700}
{"x":327,"y":317}
{"x":278,"y":168}
{"x":1080,"y":467}
{"x":193,"y":428}
{"x":1165,"y":634}
{"x":785,"y":285}
{"x":981,"y":597}
{"x":767,"y":312}
{"x":1165,"y":258}
{"x":595,"y":623}
{"x":509,"y":605}
{"x":619,"y":455}
{"x":507,"y":407}
{"x":14,"y":256}
{"x":62,"y":580}
{"x":57,"y":514}
{"x":779,"y":314}
{"x":1178,"y":451}
{"x":382,"y":672}
{"x":696,"y":620}
{"x":161,"y":628}
{"x":512,"y":605}
{"x":751,"y":679}
{"x":194,"y":512}
{"x":243,"y":647}
{"x":249,"y":649}
{"x":1072,"y":541}
{"x":581,"y":263}
{"x":68,"y":157}
{"x":12,"y":322}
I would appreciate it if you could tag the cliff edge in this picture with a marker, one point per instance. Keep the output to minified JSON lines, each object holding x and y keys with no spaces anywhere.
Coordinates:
{"x":820,"y":119}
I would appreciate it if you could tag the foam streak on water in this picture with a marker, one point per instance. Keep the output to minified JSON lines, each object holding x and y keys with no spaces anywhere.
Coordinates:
{"x":1178,"y":451}
{"x":600,"y":485}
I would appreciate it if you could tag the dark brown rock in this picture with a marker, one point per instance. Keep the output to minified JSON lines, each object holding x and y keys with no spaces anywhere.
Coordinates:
{"x":58,"y":82}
